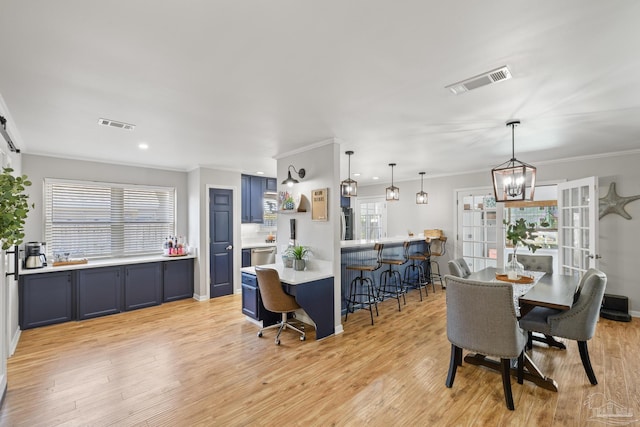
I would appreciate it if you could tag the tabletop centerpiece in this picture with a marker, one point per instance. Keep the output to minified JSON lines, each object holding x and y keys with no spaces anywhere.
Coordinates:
{"x":520,"y":233}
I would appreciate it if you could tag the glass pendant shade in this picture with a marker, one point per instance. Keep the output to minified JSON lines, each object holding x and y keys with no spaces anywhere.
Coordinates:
{"x":513,"y":179}
{"x":393,"y":192}
{"x":349,"y":187}
{"x":422,"y":198}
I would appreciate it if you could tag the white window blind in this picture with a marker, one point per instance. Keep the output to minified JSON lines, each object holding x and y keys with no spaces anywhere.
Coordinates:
{"x":98,"y":219}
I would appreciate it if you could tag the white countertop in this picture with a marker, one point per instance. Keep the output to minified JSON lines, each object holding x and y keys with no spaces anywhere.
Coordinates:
{"x":316,"y":270}
{"x":104,"y":263}
{"x":258,"y":245}
{"x":364,"y":242}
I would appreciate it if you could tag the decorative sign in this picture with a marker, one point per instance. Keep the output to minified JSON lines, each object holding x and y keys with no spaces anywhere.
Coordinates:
{"x":319,"y":205}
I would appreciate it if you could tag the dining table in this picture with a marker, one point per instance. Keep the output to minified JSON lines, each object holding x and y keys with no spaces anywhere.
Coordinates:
{"x":554,"y":291}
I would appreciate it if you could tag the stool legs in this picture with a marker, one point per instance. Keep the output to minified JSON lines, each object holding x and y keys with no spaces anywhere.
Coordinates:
{"x":361,"y":287}
{"x":435,"y":274}
{"x":414,"y":276}
{"x":391,"y":285}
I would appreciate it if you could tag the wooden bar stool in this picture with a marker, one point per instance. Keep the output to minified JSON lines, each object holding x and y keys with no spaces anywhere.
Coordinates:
{"x":362,"y":291}
{"x":438,"y":250}
{"x":391,"y":282}
{"x":414,"y":273}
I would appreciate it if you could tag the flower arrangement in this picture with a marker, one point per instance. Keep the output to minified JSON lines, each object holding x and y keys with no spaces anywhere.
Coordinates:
{"x":520,"y":233}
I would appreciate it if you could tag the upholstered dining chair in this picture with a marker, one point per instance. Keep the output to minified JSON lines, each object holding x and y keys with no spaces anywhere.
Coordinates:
{"x":578,"y":323}
{"x":481,"y":317}
{"x":275,"y":299}
{"x":535,"y":262}
{"x":458,"y":267}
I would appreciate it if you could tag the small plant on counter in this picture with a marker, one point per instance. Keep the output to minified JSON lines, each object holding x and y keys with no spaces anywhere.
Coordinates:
{"x":14,"y":207}
{"x":297,"y":252}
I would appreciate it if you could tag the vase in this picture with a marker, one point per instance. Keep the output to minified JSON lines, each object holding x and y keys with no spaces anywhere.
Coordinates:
{"x":288,"y":262}
{"x":298,"y":264}
{"x":514,"y":269}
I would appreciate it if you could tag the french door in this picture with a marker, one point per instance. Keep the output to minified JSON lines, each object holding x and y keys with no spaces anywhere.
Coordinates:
{"x":578,"y":226}
{"x":478,"y":233}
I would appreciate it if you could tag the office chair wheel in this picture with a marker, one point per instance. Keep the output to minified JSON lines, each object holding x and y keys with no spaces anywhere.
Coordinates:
{"x":260,"y":334}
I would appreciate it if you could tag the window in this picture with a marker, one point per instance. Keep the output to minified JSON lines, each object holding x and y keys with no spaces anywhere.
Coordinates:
{"x":98,"y":219}
{"x":373,"y":218}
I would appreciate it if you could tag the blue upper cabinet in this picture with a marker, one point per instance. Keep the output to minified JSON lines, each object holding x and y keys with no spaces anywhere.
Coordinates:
{"x":253,"y":189}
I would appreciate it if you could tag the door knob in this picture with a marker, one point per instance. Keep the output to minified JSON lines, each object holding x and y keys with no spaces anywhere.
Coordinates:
{"x":229,"y":247}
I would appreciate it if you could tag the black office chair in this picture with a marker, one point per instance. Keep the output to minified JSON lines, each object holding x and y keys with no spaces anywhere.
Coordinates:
{"x":275,"y":299}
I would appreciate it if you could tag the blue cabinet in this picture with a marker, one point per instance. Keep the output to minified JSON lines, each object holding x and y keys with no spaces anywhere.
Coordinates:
{"x":252,"y":305}
{"x":253,"y":189}
{"x":246,"y":257}
{"x":45,"y":299}
{"x":177,"y":280}
{"x":99,"y":292}
{"x":142,"y":285}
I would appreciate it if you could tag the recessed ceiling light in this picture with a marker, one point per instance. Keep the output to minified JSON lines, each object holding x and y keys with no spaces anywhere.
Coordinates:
{"x":375,"y":178}
{"x":259,"y":173}
{"x":356,"y":174}
{"x":143,"y":146}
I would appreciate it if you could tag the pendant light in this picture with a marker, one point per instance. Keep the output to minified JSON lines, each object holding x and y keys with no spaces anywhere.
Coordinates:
{"x":393,"y":193}
{"x":422,"y":198}
{"x":348,"y":187}
{"x":513,"y":179}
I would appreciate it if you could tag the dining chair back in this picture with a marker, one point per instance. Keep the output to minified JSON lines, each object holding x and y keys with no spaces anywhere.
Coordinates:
{"x":458,"y":267}
{"x":578,"y":323}
{"x":481,"y":317}
{"x":535,"y":262}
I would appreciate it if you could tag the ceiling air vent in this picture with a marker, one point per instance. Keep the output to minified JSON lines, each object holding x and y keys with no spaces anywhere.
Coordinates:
{"x":490,"y":77}
{"x":115,"y":124}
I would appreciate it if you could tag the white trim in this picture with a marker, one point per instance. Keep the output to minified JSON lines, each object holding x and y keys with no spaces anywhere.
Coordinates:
{"x":306,"y":148}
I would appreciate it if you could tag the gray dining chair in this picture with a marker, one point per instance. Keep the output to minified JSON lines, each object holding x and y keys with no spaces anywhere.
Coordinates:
{"x":578,"y":323}
{"x":535,"y":262}
{"x":458,"y":267}
{"x":481,"y":317}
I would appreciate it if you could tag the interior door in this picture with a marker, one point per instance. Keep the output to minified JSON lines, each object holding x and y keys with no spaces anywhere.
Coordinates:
{"x":478,"y":233}
{"x":220,"y":242}
{"x":578,"y":226}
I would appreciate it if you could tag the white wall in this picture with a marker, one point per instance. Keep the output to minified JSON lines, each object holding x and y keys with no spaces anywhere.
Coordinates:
{"x":322,"y":165}
{"x":618,"y":237}
{"x":37,"y":168}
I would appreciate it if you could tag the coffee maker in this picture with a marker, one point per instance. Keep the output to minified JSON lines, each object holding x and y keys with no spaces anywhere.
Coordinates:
{"x":34,"y":255}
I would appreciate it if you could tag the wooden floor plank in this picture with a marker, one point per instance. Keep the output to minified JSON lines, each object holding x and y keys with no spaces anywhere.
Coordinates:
{"x":201,"y":363}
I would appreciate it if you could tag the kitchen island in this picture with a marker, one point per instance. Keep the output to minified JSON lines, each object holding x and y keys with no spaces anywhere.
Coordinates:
{"x":361,"y":252}
{"x":312,"y":289}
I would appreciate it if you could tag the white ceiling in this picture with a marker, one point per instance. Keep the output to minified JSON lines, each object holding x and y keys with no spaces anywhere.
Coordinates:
{"x":231,"y":84}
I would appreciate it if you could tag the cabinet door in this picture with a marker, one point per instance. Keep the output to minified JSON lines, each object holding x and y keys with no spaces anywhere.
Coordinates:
{"x":177,"y":279}
{"x":99,"y":292}
{"x":272,"y":184}
{"x":142,"y":285}
{"x":45,"y":298}
{"x":246,"y":257}
{"x":258,"y":187}
{"x":245,"y":186}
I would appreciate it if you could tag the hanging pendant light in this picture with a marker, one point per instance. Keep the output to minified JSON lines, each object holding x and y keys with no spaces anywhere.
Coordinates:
{"x":422,"y":198}
{"x":393,"y":193}
{"x":348,"y":187}
{"x":513,"y":179}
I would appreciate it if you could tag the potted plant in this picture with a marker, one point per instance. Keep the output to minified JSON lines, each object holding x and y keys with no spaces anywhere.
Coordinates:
{"x":520,"y":233}
{"x":14,"y":208}
{"x":299,"y":255}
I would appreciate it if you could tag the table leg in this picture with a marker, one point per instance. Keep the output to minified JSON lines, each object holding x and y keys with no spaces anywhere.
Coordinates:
{"x":550,"y":341}
{"x":531,"y":371}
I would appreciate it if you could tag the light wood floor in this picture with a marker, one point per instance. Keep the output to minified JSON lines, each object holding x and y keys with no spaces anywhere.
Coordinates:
{"x":200,"y":363}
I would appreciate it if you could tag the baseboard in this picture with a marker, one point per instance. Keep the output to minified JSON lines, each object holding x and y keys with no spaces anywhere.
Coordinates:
{"x":634,"y":313}
{"x":14,"y":342}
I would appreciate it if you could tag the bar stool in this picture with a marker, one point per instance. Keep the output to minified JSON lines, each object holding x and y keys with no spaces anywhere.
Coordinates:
{"x":414,"y":273}
{"x":362,"y":289}
{"x":391,"y":281}
{"x":437,"y":251}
